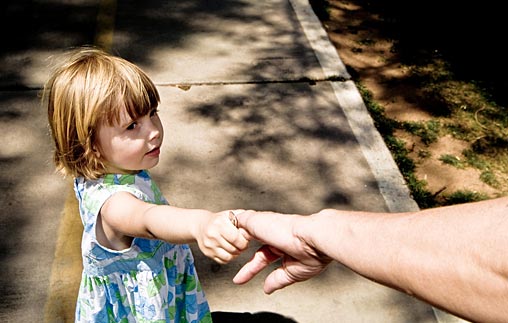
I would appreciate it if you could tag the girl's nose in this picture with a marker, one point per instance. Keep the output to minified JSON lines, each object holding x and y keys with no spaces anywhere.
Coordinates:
{"x":154,"y":129}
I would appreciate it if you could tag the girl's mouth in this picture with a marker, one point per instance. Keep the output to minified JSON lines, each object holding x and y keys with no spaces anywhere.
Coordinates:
{"x":154,"y":152}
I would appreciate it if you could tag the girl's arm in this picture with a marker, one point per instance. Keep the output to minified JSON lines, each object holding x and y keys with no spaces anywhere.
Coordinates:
{"x":123,"y":216}
{"x":454,"y":257}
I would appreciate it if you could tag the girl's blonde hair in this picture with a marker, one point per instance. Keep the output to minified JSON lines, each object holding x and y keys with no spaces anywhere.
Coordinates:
{"x":91,"y":88}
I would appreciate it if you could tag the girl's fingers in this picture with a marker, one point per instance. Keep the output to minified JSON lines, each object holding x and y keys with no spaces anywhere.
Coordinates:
{"x":233,"y":219}
{"x":237,"y":238}
{"x":236,"y":246}
{"x":242,"y":240}
{"x":223,"y":251}
{"x":246,"y":235}
{"x":223,"y":256}
{"x":224,"y":240}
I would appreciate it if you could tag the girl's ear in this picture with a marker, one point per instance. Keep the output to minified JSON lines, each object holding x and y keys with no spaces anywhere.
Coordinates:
{"x":96,"y":152}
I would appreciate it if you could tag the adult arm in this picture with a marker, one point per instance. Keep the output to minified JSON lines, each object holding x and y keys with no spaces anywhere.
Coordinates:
{"x":455,"y":257}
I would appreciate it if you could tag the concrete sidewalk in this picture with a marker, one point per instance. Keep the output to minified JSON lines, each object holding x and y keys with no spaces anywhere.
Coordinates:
{"x":259,"y":113}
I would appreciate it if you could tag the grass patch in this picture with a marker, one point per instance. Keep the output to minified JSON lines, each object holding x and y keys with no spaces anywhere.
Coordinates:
{"x":462,"y":197}
{"x":406,"y":165}
{"x":427,"y":131}
{"x":473,"y":159}
{"x":461,"y":109}
{"x":452,"y":160}
{"x":489,"y":178}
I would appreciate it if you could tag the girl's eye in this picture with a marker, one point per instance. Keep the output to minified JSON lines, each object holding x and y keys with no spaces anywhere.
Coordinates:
{"x":132,"y":126}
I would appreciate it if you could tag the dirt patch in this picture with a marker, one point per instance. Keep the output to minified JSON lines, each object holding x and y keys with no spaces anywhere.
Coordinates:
{"x":367,"y":49}
{"x":443,"y":178}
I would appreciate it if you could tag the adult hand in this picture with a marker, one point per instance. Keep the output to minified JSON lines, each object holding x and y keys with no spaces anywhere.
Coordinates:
{"x":283,"y":238}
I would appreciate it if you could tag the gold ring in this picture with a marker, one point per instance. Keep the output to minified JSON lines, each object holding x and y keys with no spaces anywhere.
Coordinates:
{"x":233,"y":219}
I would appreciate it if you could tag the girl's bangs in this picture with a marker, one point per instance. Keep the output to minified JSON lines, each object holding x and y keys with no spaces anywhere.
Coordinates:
{"x":137,"y":98}
{"x":140,"y":98}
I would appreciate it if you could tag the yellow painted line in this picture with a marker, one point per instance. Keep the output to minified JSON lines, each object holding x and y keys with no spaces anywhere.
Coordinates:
{"x":67,"y":265}
{"x":105,"y":24}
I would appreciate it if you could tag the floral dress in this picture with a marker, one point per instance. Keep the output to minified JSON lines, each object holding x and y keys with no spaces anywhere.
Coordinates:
{"x":151,"y":281}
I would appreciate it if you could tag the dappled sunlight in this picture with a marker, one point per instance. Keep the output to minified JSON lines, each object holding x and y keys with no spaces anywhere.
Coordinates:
{"x":250,"y":123}
{"x":286,"y":148}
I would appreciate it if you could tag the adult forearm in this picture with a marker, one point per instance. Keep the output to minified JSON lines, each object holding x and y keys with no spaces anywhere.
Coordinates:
{"x":451,"y":257}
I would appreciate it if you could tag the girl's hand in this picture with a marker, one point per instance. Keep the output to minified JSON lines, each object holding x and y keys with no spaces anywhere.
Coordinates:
{"x":219,"y":238}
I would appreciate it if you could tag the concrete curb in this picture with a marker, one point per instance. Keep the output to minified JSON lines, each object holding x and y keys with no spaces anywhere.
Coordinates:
{"x":391,"y":183}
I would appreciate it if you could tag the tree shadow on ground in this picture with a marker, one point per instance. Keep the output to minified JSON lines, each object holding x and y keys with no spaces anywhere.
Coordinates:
{"x":468,"y":35}
{"x":58,"y":26}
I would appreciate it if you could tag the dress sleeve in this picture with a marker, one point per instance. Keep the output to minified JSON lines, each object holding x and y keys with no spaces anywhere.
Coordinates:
{"x":95,"y":194}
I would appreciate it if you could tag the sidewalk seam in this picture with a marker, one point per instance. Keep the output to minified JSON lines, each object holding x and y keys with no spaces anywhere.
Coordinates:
{"x":267,"y":81}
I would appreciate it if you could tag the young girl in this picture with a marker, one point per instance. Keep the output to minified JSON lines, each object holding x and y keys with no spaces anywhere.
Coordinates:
{"x":137,"y":267}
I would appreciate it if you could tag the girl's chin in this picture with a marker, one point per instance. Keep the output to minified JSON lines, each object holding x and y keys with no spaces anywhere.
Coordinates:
{"x":146,"y":164}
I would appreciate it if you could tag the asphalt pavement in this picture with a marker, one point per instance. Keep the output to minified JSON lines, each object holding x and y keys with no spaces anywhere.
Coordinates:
{"x":259,"y":113}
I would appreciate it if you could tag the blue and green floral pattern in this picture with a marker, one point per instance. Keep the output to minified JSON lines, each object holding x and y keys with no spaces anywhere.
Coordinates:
{"x":152,"y":281}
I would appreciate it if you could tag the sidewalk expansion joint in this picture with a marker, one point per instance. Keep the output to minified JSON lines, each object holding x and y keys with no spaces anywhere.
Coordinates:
{"x":311,"y":81}
{"x":187,"y":85}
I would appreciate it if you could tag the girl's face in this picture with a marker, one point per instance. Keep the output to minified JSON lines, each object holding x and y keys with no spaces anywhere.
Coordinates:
{"x":130,"y":145}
